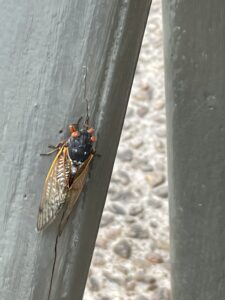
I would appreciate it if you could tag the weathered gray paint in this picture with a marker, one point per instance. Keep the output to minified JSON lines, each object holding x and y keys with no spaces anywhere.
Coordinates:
{"x":195,"y":89}
{"x":43,"y":47}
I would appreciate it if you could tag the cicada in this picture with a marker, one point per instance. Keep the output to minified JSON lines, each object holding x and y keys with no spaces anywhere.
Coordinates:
{"x":67,"y":175}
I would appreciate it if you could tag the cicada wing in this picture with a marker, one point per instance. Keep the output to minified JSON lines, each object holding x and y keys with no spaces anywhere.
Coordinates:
{"x":55,"y":189}
{"x":75,"y":190}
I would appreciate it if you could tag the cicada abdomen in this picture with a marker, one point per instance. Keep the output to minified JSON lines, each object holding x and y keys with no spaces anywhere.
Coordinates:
{"x":67,"y":176}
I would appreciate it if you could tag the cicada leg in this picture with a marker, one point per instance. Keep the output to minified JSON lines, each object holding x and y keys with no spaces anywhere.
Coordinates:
{"x":50,"y":152}
{"x":93,"y":151}
{"x":75,"y":127}
{"x":55,"y":149}
{"x":78,"y":122}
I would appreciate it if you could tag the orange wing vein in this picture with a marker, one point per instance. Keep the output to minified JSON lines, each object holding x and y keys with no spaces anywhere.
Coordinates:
{"x":55,"y":190}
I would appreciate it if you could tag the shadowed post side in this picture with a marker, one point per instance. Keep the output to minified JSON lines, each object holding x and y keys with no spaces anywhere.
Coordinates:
{"x":44,"y":47}
{"x":194,"y":59}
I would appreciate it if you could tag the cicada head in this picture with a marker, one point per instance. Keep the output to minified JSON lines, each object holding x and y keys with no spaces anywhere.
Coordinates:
{"x":86,"y":132}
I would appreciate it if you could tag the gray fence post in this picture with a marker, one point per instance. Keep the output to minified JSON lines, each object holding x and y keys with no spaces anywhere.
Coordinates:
{"x":43,"y":48}
{"x":195,"y":92}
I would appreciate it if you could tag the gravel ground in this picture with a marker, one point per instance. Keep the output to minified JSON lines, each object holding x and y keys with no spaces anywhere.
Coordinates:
{"x":131,"y":258}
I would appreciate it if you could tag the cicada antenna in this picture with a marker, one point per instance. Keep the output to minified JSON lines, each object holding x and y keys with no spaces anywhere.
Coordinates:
{"x":85,"y":97}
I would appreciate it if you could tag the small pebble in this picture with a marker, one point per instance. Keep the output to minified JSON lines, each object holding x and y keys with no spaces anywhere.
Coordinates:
{"x":130,"y":286}
{"x":158,"y":105}
{"x":142,"y":111}
{"x":155,"y":203}
{"x":146,"y":86}
{"x":123,"y":196}
{"x":117,"y":209}
{"x":154,"y":258}
{"x":159,"y":118}
{"x":163,"y":244}
{"x":102,"y":242}
{"x":162,"y":294}
{"x":141,"y":297}
{"x":152,"y":287}
{"x":141,"y":276}
{"x":94,"y":284}
{"x":138,"y":231}
{"x":123,"y":269}
{"x":98,"y":259}
{"x":135,"y":210}
{"x":107,"y":218}
{"x":113,"y":233}
{"x":124,"y":177}
{"x":125,"y":155}
{"x":141,"y":96}
{"x":112,"y":190}
{"x":136,"y":143}
{"x":146,"y":167}
{"x":161,"y":191}
{"x":159,"y":145}
{"x":160,"y":166}
{"x":113,"y":277}
{"x":129,"y":219}
{"x":155,"y":178}
{"x":145,"y":278}
{"x":154,"y":224}
{"x":123,"y":249}
{"x":161,"y":132}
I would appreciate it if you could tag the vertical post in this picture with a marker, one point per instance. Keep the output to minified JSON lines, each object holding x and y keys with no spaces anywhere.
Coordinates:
{"x":44,"y":46}
{"x":195,"y":92}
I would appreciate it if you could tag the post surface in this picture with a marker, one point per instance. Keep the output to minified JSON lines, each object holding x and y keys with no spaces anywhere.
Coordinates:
{"x":194,"y":59}
{"x":44,"y":47}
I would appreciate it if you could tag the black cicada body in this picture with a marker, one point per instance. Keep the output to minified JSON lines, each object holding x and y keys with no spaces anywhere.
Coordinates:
{"x":66,"y":176}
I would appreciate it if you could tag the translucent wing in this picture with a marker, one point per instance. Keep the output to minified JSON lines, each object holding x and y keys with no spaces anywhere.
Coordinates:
{"x":55,"y":189}
{"x":75,"y":190}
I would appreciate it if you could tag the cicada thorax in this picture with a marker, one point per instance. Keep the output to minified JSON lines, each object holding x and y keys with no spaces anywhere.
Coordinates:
{"x":80,"y":147}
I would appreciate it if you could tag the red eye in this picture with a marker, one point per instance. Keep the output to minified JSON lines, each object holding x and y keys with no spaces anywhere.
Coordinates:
{"x":72,"y":128}
{"x":91,"y":130}
{"x":75,"y":134}
{"x":93,"y":139}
